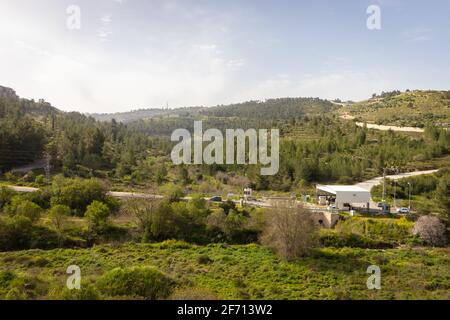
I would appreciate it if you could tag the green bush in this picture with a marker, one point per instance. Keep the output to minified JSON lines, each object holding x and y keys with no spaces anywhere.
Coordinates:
{"x":14,"y":286}
{"x":389,"y":230}
{"x":331,"y":238}
{"x":204,"y":259}
{"x":77,"y":194}
{"x":86,"y":292}
{"x":40,"y":197}
{"x":26,"y":208}
{"x":40,"y":180}
{"x":144,"y":282}
{"x":97,"y":213}
{"x":15,"y":233}
{"x":6,"y":195}
{"x":19,"y":233}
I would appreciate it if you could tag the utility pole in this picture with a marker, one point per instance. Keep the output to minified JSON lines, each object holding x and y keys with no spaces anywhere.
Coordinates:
{"x":48,"y":158}
{"x":384,"y":185}
{"x":409,"y":196}
{"x":395,"y":193}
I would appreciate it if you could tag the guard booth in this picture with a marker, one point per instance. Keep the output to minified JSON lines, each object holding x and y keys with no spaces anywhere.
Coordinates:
{"x":343,"y":197}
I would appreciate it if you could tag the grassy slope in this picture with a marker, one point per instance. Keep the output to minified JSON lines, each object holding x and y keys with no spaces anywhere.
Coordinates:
{"x":414,"y":108}
{"x":252,"y":271}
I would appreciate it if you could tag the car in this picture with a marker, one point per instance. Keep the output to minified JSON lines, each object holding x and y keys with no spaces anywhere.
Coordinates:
{"x":216,"y":199}
{"x":402,"y":210}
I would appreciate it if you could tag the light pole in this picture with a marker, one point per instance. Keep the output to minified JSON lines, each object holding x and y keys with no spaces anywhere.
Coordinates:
{"x":395,"y":192}
{"x":409,"y":196}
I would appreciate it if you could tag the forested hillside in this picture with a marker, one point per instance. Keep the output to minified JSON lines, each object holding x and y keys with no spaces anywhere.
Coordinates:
{"x":283,"y":108}
{"x":30,"y":130}
{"x":411,"y":108}
{"x":316,"y":146}
{"x":74,"y":214}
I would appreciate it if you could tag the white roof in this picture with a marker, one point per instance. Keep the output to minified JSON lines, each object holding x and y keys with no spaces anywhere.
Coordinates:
{"x":340,"y":188}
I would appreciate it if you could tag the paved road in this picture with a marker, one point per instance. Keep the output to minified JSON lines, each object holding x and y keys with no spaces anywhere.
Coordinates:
{"x":23,"y":189}
{"x":369,"y":184}
{"x":382,"y":127}
{"x":133,"y":195}
{"x":387,"y":128}
{"x":115,"y":194}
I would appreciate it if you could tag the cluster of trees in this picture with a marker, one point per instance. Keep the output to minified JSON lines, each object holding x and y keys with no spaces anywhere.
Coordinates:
{"x":21,"y":226}
{"x":282,"y":108}
{"x":194,"y":221}
{"x":435,"y":188}
{"x":77,"y":144}
{"x":313,"y":148}
{"x":22,"y":139}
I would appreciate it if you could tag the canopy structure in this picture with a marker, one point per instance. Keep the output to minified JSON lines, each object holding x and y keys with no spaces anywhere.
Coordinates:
{"x":344,"y":195}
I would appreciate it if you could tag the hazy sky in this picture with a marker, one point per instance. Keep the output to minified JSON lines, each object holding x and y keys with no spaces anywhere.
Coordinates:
{"x":133,"y":54}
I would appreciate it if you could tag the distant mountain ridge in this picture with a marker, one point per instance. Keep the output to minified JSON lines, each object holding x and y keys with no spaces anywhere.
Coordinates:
{"x":8,"y":93}
{"x":281,"y":108}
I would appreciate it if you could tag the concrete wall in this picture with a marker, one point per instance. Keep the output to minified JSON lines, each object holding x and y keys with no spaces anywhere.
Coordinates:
{"x":325,"y":219}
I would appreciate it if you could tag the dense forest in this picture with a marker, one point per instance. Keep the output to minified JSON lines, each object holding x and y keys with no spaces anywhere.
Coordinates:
{"x":315,"y":146}
{"x":75,"y":216}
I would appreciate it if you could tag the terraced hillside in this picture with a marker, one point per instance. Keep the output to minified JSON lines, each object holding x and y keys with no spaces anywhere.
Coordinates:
{"x":412,"y":108}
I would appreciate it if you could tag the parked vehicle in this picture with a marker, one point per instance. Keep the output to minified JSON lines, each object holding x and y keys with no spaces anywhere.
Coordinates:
{"x":216,"y":199}
{"x":403,"y":210}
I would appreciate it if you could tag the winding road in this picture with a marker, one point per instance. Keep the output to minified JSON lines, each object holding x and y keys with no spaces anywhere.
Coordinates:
{"x":368,"y":185}
{"x":382,"y":127}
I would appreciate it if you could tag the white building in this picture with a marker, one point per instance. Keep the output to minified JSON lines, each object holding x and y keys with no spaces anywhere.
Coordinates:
{"x":344,"y":196}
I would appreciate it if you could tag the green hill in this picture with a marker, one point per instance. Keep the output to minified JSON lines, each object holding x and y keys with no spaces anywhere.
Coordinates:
{"x":411,"y":108}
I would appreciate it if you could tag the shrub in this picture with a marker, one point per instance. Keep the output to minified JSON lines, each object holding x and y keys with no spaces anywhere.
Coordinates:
{"x":6,"y":195}
{"x":26,"y":208}
{"x":204,"y":259}
{"x":15,"y":233}
{"x":77,"y":194}
{"x":40,"y":197}
{"x":97,"y":213}
{"x":385,"y":230}
{"x":290,"y":231}
{"x":145,"y":282}
{"x":58,"y":215}
{"x":173,"y":192}
{"x":431,"y":230}
{"x":40,"y":180}
{"x":15,"y":286}
{"x":331,"y":238}
{"x":173,"y":244}
{"x":86,"y":292}
{"x":192,"y":294}
{"x":18,"y":233}
{"x":15,"y":294}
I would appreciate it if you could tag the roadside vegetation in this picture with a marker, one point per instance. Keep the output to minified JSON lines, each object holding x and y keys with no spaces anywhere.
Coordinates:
{"x":175,"y":270}
{"x":183,"y":246}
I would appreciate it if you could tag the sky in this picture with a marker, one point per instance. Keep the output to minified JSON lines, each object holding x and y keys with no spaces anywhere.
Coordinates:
{"x":130,"y":54}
